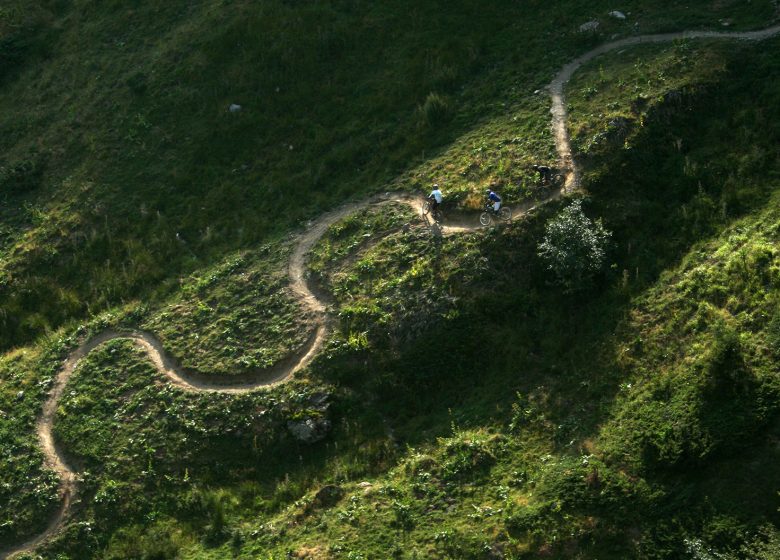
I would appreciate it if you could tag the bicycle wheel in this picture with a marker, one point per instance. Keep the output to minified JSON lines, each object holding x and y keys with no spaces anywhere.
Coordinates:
{"x":485,"y":219}
{"x":505,"y":214}
{"x":426,"y":207}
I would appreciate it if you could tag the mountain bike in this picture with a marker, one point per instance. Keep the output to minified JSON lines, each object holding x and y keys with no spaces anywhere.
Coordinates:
{"x":541,"y":189}
{"x":489,"y":215}
{"x":426,"y":210}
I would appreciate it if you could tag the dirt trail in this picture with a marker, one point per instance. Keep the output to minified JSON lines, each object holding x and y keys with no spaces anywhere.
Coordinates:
{"x":192,"y":380}
{"x":558,"y":110}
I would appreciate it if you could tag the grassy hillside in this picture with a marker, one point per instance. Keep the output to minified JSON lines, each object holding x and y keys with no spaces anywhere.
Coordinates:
{"x":116,"y":135}
{"x":477,"y":411}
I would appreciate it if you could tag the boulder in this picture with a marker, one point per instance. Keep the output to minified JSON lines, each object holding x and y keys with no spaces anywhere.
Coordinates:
{"x":328,"y":496}
{"x":617,"y":14}
{"x":234,"y":108}
{"x":319,"y":401}
{"x":309,"y":430}
{"x":589,"y":26}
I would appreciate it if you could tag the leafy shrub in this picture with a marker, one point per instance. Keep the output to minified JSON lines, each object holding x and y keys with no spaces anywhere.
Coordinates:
{"x":404,"y":518}
{"x":435,"y":111}
{"x":468,"y":455}
{"x":574,"y":247}
{"x":732,"y":410}
{"x":765,"y":545}
{"x":209,"y":506}
{"x":155,"y":543}
{"x":21,"y":177}
{"x":726,"y":367}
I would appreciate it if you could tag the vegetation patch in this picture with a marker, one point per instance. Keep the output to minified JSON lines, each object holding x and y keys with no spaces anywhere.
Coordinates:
{"x":235,"y":317}
{"x":476,"y":411}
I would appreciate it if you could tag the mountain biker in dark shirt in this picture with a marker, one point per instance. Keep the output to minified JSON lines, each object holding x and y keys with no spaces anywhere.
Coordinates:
{"x":545,"y":173}
{"x":493,"y":199}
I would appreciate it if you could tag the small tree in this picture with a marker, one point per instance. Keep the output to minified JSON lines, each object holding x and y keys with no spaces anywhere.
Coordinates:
{"x":574,"y":247}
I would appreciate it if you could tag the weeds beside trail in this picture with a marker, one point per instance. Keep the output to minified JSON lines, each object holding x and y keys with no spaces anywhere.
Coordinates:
{"x":595,"y":428}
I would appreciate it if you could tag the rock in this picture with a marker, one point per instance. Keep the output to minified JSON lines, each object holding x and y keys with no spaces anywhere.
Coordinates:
{"x":617,"y":14}
{"x":497,"y":551}
{"x":19,"y":395}
{"x":319,"y":401}
{"x":619,"y":127}
{"x":589,"y":26}
{"x":234,"y":108}
{"x":328,"y":496}
{"x":310,"y":430}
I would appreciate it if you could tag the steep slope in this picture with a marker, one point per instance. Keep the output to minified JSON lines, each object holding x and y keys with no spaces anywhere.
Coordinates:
{"x":388,"y":384}
{"x":133,"y":170}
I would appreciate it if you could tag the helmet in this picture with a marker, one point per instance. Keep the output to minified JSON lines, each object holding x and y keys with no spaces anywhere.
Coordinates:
{"x":488,"y":191}
{"x":436,"y":185}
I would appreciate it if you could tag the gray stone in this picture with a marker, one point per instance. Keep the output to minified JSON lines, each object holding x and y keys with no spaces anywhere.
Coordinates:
{"x":309,"y":430}
{"x":497,"y":551}
{"x":19,"y":395}
{"x":319,"y":401}
{"x":234,"y":108}
{"x":619,"y":125}
{"x":617,"y":14}
{"x":589,"y":26}
{"x":328,"y":496}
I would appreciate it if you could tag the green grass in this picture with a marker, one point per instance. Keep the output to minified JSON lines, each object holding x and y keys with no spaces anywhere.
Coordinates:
{"x":26,"y":488}
{"x":487,"y":411}
{"x":617,"y":91}
{"x":332,"y":97}
{"x":234,"y":317}
{"x":346,"y":237}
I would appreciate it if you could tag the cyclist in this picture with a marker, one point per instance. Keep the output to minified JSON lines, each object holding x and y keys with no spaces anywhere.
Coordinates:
{"x":493,"y":199}
{"x":545,"y":173}
{"x":435,"y":197}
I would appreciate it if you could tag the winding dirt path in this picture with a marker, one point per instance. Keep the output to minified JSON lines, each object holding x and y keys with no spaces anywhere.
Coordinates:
{"x":192,"y":380}
{"x":559,"y":112}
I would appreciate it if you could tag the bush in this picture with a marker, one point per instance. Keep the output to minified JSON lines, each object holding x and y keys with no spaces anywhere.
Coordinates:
{"x":435,"y":111}
{"x":20,"y":177}
{"x":574,"y":247}
{"x":154,"y":543}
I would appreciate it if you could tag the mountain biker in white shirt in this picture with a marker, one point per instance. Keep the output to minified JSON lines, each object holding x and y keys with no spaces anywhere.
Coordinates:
{"x":435,"y":197}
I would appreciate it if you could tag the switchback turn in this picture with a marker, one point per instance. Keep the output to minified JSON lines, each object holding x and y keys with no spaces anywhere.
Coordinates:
{"x":191,"y":380}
